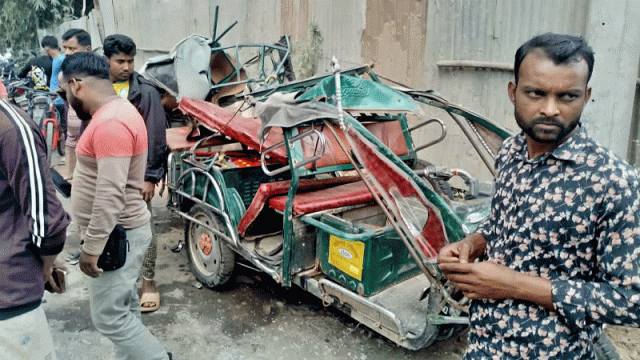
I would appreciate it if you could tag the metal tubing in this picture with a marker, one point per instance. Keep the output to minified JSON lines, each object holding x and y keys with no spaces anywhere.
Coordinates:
{"x":263,"y":155}
{"x":443,"y":133}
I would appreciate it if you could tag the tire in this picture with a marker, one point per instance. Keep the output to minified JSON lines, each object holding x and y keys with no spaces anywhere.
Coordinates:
{"x":49,"y":140}
{"x":212,"y":260}
{"x":61,"y":144}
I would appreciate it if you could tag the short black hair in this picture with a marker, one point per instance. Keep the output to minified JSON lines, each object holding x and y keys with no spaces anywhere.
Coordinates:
{"x":559,"y":48}
{"x":116,"y":44}
{"x":87,"y":64}
{"x":50,"y":42}
{"x":82,"y":37}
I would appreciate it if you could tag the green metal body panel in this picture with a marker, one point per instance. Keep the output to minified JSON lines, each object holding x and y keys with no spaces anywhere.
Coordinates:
{"x":238,"y":185}
{"x":385,"y":258}
{"x":361,"y":94}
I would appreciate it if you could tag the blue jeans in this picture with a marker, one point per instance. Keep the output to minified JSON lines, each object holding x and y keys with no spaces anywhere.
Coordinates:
{"x":115,"y":307}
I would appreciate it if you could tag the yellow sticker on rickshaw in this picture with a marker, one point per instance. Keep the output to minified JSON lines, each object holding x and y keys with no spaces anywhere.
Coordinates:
{"x":347,"y":256}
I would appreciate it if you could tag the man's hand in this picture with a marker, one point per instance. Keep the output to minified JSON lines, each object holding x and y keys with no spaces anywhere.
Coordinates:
{"x":50,"y":263}
{"x":488,"y":280}
{"x":89,"y":264}
{"x":483,"y":280}
{"x":148,"y":190}
{"x":463,"y":251}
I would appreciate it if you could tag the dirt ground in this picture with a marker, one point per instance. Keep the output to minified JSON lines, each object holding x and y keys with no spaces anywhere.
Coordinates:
{"x":251,"y":318}
{"x":626,"y":341}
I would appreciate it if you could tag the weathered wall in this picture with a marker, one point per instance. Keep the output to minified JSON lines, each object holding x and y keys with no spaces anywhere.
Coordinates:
{"x":489,"y":32}
{"x":394,"y":39}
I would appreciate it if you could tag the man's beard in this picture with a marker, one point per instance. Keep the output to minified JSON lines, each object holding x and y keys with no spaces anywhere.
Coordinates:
{"x":79,"y":109}
{"x":529,"y":128}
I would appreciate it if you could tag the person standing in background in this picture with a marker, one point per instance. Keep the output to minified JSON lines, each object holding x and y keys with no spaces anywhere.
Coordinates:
{"x":120,"y":51}
{"x":73,"y":41}
{"x":51,"y":48}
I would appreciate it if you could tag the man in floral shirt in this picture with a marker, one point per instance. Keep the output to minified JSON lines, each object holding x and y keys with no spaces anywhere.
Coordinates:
{"x":559,"y":254}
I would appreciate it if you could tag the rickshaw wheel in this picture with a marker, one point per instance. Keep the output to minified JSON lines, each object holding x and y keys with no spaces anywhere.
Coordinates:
{"x":212,"y":261}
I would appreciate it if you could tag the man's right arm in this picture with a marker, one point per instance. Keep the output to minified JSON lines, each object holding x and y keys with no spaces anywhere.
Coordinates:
{"x":55,"y":70}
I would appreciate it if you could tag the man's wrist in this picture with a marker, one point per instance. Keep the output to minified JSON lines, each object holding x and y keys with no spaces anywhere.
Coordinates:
{"x":535,"y":289}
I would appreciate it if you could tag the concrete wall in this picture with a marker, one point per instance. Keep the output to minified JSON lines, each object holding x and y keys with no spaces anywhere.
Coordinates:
{"x":425,"y":44}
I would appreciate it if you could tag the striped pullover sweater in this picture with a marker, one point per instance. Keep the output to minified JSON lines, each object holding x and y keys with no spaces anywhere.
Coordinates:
{"x":111,"y":160}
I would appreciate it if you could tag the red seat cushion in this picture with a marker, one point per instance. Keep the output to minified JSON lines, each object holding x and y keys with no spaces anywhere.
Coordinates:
{"x":330,"y":198}
{"x":268,"y":190}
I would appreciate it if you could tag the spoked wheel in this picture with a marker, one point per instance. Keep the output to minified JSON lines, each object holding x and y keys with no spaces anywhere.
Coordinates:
{"x":212,"y":261}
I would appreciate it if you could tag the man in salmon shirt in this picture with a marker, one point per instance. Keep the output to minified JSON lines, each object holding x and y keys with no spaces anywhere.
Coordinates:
{"x":111,"y":159}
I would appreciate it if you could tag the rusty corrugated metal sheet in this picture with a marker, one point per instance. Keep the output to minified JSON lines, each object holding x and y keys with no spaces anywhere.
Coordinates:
{"x":485,"y":31}
{"x":491,"y":30}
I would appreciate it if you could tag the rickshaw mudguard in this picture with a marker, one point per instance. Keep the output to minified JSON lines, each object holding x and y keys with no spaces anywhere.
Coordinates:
{"x":229,"y":203}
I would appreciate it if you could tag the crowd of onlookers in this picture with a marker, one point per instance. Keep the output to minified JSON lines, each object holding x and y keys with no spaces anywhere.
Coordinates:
{"x":115,"y":138}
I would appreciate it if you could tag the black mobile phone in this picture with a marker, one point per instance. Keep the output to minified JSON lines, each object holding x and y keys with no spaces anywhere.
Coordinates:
{"x":60,"y":278}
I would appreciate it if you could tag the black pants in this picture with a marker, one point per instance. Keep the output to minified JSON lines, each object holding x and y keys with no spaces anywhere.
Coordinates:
{"x":62,"y":116}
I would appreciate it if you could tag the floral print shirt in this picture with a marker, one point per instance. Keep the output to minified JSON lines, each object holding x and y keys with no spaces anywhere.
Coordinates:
{"x":570,"y":216}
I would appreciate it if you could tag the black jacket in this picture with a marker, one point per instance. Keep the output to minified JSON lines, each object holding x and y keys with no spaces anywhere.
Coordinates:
{"x":144,"y":96}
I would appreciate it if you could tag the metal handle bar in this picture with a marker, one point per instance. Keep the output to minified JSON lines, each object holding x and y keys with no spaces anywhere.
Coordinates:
{"x":272,"y":148}
{"x":210,"y":181}
{"x":425,"y":123}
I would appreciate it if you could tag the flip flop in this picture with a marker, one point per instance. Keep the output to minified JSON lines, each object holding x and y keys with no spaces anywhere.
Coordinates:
{"x":147,"y":298}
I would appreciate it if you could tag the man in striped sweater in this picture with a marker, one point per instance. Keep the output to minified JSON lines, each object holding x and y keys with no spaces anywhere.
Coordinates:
{"x":32,"y":232}
{"x":111,"y":159}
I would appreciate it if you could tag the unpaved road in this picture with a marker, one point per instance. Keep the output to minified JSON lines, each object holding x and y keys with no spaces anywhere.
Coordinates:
{"x":251,"y":318}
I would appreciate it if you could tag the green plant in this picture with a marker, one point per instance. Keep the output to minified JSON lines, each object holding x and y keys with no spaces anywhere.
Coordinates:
{"x":20,"y":21}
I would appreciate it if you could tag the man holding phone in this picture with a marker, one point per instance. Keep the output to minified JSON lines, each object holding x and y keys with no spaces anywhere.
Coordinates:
{"x":32,"y":232}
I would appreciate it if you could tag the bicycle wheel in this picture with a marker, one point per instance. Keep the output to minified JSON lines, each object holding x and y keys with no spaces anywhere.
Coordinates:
{"x":49,"y":140}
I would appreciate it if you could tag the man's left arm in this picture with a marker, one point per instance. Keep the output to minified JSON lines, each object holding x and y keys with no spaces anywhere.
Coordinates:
{"x":488,"y":280}
{"x":613,"y":295}
{"x":151,"y":109}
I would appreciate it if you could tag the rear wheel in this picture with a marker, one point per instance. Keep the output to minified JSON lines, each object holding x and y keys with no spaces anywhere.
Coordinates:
{"x":49,"y":139}
{"x":212,"y":261}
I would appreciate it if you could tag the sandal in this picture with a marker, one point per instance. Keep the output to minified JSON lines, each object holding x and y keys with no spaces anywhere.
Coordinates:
{"x":149,"y":298}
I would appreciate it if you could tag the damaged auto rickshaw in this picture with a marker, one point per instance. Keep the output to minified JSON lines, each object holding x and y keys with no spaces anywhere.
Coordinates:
{"x":317,"y":183}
